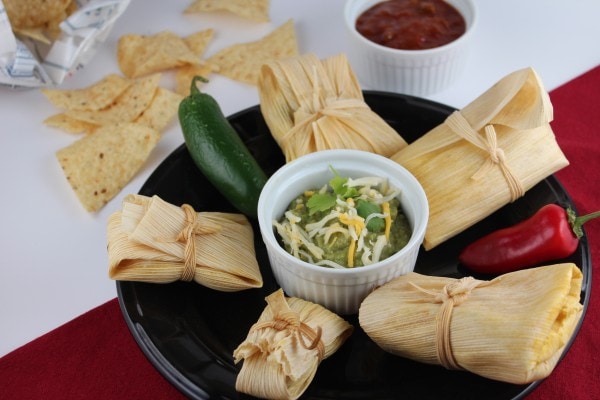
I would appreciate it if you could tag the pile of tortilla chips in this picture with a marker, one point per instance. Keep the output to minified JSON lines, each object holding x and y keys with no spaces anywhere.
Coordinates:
{"x":123,"y":116}
{"x":242,"y":62}
{"x":38,"y":19}
{"x":123,"y":119}
{"x":140,"y":55}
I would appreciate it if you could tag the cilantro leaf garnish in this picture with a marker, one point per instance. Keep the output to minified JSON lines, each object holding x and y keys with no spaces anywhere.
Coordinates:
{"x":325,"y":201}
{"x":338,"y":184}
{"x":320,"y":202}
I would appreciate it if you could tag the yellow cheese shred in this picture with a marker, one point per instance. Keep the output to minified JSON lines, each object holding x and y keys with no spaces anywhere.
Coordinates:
{"x":385,"y":207}
{"x":358,"y":224}
{"x":351,"y":250}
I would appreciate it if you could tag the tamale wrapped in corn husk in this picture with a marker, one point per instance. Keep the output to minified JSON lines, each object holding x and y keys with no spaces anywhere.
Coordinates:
{"x":484,"y":156}
{"x":285,"y":346}
{"x":513,"y":328}
{"x":151,"y":240}
{"x":311,"y":105}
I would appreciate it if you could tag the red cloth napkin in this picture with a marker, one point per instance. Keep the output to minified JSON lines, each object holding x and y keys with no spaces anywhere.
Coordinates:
{"x":91,"y":357}
{"x":95,"y":357}
{"x":577,"y":128}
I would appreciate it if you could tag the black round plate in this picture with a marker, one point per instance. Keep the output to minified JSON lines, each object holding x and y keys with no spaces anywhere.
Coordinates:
{"x":189,"y":332}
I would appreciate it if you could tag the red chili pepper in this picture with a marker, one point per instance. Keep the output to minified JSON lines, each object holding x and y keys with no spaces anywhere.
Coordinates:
{"x":550,"y":234}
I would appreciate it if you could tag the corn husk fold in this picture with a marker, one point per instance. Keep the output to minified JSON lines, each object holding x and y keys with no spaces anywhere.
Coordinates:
{"x":285,"y":346}
{"x":151,"y":240}
{"x":485,"y":156}
{"x":513,"y":328}
{"x":311,"y":105}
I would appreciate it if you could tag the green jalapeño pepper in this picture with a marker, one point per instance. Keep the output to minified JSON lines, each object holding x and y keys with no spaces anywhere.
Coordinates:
{"x":219,"y":152}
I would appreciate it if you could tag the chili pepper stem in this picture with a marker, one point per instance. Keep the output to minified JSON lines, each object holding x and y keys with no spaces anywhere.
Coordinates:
{"x":194,"y":86}
{"x":577,"y":222}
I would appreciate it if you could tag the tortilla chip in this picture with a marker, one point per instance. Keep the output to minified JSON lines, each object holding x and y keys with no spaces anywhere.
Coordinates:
{"x":242,"y":62}
{"x":24,"y":14}
{"x":41,"y":28}
{"x":161,"y":111}
{"x":69,"y":124}
{"x":143,"y":55}
{"x":198,"y":42}
{"x":256,"y":10}
{"x":184,"y":76}
{"x":52,"y":27}
{"x":129,"y":47}
{"x":125,"y":108}
{"x":37,"y":34}
{"x":93,"y":98}
{"x":98,"y":166}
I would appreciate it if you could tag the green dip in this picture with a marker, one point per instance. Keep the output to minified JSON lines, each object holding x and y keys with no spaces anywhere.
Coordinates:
{"x":321,"y":225}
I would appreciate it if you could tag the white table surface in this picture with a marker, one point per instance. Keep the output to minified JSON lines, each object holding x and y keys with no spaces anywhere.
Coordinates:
{"x":53,"y":259}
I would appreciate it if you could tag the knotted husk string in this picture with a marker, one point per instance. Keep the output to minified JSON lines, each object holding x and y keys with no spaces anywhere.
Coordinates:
{"x":484,"y":156}
{"x":151,"y":240}
{"x":299,"y":331}
{"x":311,"y":105}
{"x":513,"y":328}
{"x":187,"y":236}
{"x":285,"y":346}
{"x":460,"y":126}
{"x":451,"y":295}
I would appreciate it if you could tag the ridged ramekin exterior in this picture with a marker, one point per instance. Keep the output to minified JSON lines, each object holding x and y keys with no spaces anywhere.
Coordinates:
{"x":341,"y":295}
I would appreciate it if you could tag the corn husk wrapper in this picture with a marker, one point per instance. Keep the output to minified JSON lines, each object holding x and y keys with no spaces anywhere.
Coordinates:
{"x":286,"y":345}
{"x":311,"y":105}
{"x":151,"y":240}
{"x":513,"y":328}
{"x":485,"y":156}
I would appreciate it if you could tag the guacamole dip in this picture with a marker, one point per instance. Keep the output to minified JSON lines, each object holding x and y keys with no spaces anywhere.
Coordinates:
{"x":347,"y":223}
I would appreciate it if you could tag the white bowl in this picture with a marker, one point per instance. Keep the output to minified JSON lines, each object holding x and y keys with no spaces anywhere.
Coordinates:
{"x":413,"y":72}
{"x":340,"y":290}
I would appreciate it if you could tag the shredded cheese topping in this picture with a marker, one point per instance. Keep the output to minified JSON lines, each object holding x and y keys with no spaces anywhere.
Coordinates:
{"x":341,"y":222}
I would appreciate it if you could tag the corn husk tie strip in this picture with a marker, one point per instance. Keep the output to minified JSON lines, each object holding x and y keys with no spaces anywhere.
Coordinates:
{"x":451,"y":295}
{"x":299,"y":331}
{"x":484,"y":156}
{"x":321,"y":139}
{"x":460,"y":126}
{"x":151,"y":240}
{"x":311,"y":110}
{"x":513,"y":328}
{"x":285,"y":346}
{"x":186,"y":236}
{"x":311,"y":105}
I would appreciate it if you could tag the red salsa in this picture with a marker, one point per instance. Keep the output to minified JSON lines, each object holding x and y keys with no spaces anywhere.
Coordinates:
{"x":411,"y":24}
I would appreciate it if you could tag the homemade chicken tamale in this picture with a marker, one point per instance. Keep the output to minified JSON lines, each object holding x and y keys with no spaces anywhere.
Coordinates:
{"x":285,"y":346}
{"x":513,"y":328}
{"x":311,"y":104}
{"x":484,"y":156}
{"x":151,"y":240}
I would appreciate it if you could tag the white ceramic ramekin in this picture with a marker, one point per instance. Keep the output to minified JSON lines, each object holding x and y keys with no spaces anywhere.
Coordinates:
{"x":340,"y":290}
{"x":413,"y":72}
